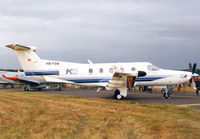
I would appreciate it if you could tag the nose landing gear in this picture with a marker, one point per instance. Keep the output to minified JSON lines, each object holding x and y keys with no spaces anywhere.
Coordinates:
{"x":166,"y":92}
{"x":166,"y":95}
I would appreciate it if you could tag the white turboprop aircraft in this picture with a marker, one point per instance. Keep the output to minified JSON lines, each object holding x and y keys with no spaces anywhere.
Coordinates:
{"x":112,"y":76}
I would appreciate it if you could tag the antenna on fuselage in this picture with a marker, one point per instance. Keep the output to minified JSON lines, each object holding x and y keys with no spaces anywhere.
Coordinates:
{"x":89,"y":61}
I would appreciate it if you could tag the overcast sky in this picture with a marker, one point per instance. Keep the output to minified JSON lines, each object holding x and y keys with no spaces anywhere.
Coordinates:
{"x":163,"y":32}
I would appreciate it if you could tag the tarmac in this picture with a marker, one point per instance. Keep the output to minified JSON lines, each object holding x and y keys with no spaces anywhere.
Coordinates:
{"x":177,"y":98}
{"x":188,"y":99}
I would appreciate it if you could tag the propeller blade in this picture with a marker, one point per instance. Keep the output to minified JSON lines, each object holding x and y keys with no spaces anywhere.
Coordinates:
{"x":190,"y":67}
{"x":194,"y":68}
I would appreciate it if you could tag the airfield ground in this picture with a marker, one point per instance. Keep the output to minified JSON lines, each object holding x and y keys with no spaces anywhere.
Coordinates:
{"x":177,"y":98}
{"x":44,"y":115}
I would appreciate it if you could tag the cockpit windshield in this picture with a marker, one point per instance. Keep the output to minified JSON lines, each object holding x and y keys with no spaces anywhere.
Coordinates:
{"x":152,"y":68}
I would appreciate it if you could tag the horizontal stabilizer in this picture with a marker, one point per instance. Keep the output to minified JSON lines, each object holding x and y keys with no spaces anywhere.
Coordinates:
{"x":17,"y":47}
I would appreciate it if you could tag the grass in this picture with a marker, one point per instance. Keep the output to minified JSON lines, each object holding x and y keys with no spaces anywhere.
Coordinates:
{"x":41,"y":115}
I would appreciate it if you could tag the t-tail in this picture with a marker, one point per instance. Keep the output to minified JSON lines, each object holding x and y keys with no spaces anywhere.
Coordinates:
{"x":29,"y":60}
{"x":31,"y":63}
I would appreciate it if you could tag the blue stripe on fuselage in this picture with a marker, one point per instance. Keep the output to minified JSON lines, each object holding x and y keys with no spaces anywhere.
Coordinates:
{"x":90,"y":80}
{"x":33,"y":73}
{"x":143,"y":79}
{"x":147,"y":79}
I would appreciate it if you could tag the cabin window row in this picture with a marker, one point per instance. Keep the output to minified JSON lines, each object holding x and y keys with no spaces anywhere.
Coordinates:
{"x":111,"y":70}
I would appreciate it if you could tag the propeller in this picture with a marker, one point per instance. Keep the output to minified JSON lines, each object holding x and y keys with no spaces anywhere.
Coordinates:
{"x":192,"y":79}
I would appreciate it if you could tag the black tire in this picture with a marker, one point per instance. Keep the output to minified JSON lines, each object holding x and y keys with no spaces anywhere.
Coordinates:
{"x":144,"y":88}
{"x":117,"y":92}
{"x":122,"y":98}
{"x":119,"y":97}
{"x":39,"y":89}
{"x":26,"y":89}
{"x":166,"y":95}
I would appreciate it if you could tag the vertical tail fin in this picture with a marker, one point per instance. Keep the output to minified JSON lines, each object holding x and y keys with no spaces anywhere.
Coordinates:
{"x":29,"y":60}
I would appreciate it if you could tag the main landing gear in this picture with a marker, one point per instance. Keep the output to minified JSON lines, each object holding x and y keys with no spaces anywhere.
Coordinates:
{"x":120,"y":93}
{"x":167,"y":92}
{"x":26,"y":88}
{"x":117,"y":95}
{"x":59,"y":87}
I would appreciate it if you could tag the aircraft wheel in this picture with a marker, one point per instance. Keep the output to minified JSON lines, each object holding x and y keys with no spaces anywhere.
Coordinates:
{"x":166,"y":95}
{"x":26,"y":89}
{"x":59,"y":89}
{"x":117,"y":92}
{"x":144,"y":88}
{"x":39,"y":89}
{"x":5,"y":86}
{"x":118,"y":96}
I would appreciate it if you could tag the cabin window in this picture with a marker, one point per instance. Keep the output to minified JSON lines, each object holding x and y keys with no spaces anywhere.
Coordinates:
{"x":122,"y":69}
{"x":111,"y":70}
{"x":152,"y":68}
{"x":90,"y":71}
{"x":100,"y":70}
{"x":133,"y":69}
